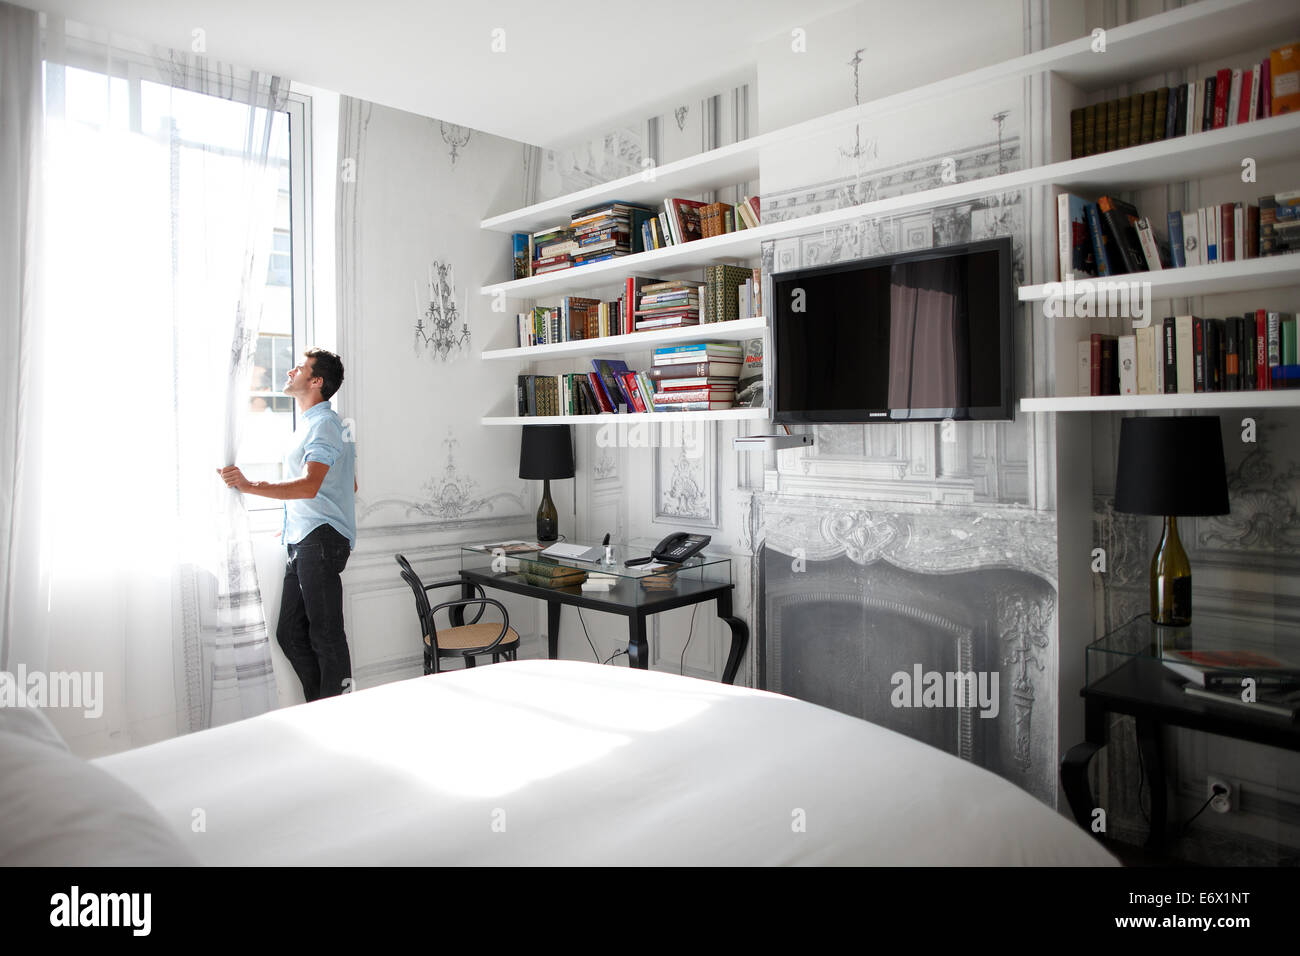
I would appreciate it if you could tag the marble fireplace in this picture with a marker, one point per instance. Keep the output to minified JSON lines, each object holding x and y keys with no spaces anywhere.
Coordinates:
{"x":856,"y":592}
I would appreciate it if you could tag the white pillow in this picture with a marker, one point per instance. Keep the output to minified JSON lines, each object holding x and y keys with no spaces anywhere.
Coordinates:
{"x":30,"y":722}
{"x":58,"y":810}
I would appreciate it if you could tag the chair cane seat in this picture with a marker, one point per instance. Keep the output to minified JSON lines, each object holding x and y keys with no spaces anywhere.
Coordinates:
{"x":474,"y":635}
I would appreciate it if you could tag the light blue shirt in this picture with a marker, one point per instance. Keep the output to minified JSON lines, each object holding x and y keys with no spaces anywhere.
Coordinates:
{"x":319,"y":437}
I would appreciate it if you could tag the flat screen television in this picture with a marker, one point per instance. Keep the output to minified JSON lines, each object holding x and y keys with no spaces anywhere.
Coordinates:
{"x":917,"y":336}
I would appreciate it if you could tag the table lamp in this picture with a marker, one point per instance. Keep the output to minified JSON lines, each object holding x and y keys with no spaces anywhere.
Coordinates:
{"x":1171,"y":467}
{"x":546,"y":452}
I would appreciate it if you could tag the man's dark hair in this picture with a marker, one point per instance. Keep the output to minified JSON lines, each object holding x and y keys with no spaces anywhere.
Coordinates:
{"x":328,"y":366}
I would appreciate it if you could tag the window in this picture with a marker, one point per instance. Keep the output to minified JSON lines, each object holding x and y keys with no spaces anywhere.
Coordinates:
{"x":170,"y":144}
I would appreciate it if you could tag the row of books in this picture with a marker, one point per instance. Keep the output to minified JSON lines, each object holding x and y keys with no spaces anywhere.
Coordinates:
{"x":1227,"y":97}
{"x":1109,"y":237}
{"x":612,"y":229}
{"x":727,"y":293}
{"x":574,"y":318}
{"x":1186,"y":353}
{"x":696,"y":377}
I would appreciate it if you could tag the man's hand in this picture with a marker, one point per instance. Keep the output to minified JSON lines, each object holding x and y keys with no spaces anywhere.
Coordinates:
{"x":234,"y":478}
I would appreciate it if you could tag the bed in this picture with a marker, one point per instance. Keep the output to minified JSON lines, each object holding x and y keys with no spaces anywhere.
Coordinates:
{"x":561,"y":762}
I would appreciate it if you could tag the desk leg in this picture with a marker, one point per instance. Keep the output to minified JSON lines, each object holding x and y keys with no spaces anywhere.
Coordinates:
{"x":553,"y":629}
{"x":638,"y":648}
{"x":739,"y":638}
{"x":1148,"y":738}
{"x":1074,"y":766}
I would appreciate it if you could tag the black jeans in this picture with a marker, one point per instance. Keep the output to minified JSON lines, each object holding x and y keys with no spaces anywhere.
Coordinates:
{"x":310,"y":631}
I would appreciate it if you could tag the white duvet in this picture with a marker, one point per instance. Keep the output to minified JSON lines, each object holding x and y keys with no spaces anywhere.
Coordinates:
{"x":560,"y":762}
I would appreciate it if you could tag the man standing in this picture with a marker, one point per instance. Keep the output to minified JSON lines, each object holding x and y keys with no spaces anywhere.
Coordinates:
{"x":319,"y":528}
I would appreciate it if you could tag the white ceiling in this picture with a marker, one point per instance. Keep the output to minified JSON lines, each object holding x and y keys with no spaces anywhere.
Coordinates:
{"x":569,"y":67}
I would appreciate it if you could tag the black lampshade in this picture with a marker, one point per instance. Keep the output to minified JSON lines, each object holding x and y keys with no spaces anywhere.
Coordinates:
{"x":1171,"y":466}
{"x":546,"y":451}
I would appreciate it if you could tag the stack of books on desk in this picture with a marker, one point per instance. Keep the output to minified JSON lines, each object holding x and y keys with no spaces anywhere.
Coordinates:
{"x":545,"y":574}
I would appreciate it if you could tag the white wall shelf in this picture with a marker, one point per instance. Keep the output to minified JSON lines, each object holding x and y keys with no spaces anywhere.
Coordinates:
{"x":1247,"y":275}
{"x":732,"y":331}
{"x":1170,"y":40}
{"x":1281,"y":398}
{"x":1171,"y":160}
{"x":721,"y":415}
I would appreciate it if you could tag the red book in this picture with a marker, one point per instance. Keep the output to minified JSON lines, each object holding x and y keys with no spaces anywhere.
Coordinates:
{"x":629,"y":382}
{"x":1261,"y":351}
{"x":1227,"y":234}
{"x":1222,"y":87}
{"x":1248,"y":94}
{"x":601,"y":398}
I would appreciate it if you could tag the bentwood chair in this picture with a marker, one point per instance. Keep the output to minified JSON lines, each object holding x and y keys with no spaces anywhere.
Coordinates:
{"x":467,"y":641}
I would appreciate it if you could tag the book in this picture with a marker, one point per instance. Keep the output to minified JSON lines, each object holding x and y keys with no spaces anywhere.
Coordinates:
{"x":1169,"y":353}
{"x":1074,"y":242}
{"x":1207,"y":102}
{"x":1161,"y":119}
{"x":1090,"y":129}
{"x":1102,"y":243}
{"x":684,"y":219}
{"x":694,"y":370}
{"x":1284,"y":64}
{"x":1234,"y":98}
{"x":1084,"y":368}
{"x":1192,"y":246}
{"x":698,"y":351}
{"x":1266,"y":87}
{"x":1198,"y":355}
{"x":1222,"y":91}
{"x":1177,"y":253}
{"x":1150,"y":246}
{"x":1146,"y":359}
{"x":1127,"y":358}
{"x":1185,"y":352}
{"x":1287,"y":327}
{"x":751,"y":390}
{"x":710,"y":394}
{"x":1104,"y":365}
{"x":1122,"y":217}
{"x":1261,"y":350}
{"x":1147,"y":129}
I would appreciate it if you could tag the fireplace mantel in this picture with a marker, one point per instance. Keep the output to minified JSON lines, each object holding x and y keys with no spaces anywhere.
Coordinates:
{"x":924,"y":538}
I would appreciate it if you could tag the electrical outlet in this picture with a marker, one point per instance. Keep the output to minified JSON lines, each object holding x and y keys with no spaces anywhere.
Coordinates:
{"x":1219,"y":802}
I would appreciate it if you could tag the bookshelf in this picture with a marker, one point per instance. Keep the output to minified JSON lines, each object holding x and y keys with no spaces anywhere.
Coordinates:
{"x":1188,"y":157}
{"x":1176,"y":39}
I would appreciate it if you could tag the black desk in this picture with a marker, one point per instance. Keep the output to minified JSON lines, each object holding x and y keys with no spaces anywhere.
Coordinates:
{"x":1145,"y":689}
{"x":628,"y":598}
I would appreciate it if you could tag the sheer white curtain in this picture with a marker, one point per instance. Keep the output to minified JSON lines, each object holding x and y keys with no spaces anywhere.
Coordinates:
{"x":160,"y":185}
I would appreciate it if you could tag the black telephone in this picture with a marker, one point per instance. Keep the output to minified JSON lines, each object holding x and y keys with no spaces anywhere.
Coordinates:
{"x":674,"y":549}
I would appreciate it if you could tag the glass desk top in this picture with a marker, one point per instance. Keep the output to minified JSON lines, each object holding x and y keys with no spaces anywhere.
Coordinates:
{"x":612,"y":583}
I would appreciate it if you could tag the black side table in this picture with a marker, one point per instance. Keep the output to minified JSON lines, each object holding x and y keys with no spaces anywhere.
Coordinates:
{"x":1145,"y":689}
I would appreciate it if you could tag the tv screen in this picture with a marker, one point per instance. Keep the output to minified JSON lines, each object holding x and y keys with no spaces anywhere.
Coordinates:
{"x":918,"y":336}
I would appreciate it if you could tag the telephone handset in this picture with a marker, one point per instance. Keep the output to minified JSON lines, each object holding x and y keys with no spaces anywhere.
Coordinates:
{"x":674,"y":549}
